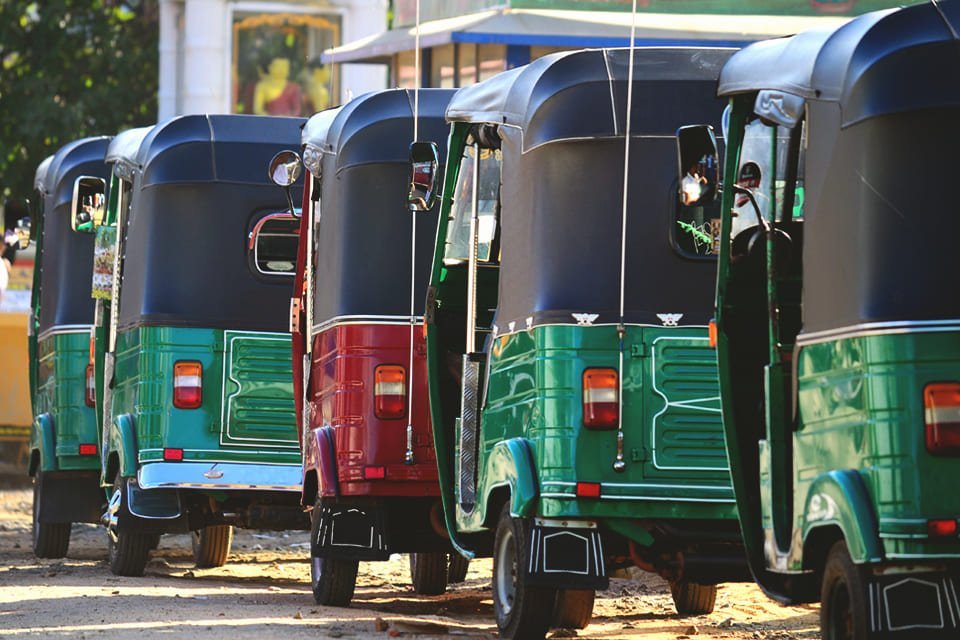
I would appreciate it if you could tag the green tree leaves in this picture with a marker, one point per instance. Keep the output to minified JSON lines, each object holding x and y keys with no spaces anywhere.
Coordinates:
{"x":70,"y":69}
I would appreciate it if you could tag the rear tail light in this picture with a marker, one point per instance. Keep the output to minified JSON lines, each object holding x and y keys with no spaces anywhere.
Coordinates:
{"x":712,"y":332}
{"x":187,"y":384}
{"x":600,"y":406}
{"x":173,"y":455}
{"x":941,"y":402}
{"x":390,"y":391}
{"x":87,"y":450}
{"x":90,"y":396}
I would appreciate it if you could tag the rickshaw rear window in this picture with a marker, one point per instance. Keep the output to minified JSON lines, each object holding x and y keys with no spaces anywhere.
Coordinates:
{"x":273,"y":243}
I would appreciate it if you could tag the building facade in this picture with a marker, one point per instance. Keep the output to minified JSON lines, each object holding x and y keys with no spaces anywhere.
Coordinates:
{"x":262,"y":56}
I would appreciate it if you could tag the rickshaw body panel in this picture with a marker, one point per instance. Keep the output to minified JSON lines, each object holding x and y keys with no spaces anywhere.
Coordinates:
{"x":246,"y":416}
{"x":70,"y":422}
{"x":345,"y":358}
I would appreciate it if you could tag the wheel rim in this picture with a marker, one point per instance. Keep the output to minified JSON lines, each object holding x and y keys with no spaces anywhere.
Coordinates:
{"x":841,"y":617}
{"x":316,"y":570}
{"x":505,"y":572}
{"x":112,"y":515}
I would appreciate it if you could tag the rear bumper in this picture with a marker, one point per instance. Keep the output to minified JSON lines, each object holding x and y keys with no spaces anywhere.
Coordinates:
{"x":223,"y":476}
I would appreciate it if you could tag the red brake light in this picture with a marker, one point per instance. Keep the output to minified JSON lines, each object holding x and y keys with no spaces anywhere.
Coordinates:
{"x":712,"y":332}
{"x":942,"y":528}
{"x":90,"y":396}
{"x":588,"y":489}
{"x":390,"y":392}
{"x":600,"y":405}
{"x":173,"y":455}
{"x":187,"y":384}
{"x":941,"y":402}
{"x":374,"y":473}
{"x":87,"y":450}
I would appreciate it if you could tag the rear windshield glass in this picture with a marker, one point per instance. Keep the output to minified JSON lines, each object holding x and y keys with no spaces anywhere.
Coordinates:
{"x":274,"y":243}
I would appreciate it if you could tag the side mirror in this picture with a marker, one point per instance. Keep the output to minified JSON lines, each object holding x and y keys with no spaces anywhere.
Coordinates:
{"x":424,"y":161}
{"x":698,"y":165}
{"x":284,"y":170}
{"x":89,"y":203}
{"x":23,"y":232}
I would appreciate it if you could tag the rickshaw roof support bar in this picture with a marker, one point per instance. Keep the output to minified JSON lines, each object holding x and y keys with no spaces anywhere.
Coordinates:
{"x":619,"y":465}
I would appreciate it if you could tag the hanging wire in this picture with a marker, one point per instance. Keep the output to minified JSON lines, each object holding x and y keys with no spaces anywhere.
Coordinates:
{"x":619,"y":465}
{"x":408,"y":455}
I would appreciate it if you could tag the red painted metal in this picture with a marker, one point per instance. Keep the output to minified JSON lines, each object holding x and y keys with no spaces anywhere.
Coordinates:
{"x":341,"y":395}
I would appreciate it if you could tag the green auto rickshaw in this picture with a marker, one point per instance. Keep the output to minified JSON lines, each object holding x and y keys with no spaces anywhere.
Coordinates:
{"x":64,"y":439}
{"x":574,"y":394}
{"x":839,"y":321}
{"x":198,"y":414}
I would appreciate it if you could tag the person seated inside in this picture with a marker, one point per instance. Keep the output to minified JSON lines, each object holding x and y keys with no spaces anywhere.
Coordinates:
{"x":692,"y":185}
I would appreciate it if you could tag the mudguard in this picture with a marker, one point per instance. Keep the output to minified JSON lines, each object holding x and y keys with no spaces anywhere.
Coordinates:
{"x":123,"y":442}
{"x":320,"y":455}
{"x":43,"y":440}
{"x":511,"y":463}
{"x":839,"y":498}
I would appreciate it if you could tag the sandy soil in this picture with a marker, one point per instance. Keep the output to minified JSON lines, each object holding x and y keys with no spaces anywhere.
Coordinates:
{"x":264,"y":592}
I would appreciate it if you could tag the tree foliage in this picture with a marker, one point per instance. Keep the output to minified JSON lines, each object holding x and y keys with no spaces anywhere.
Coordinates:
{"x":70,"y":69}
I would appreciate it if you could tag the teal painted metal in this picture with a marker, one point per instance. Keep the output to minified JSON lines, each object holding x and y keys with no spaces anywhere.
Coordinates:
{"x":123,"y":445}
{"x":43,"y":441}
{"x":247,"y":410}
{"x":59,"y":396}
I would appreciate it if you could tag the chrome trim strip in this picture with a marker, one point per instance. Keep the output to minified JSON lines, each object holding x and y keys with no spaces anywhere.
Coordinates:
{"x":388,"y":320}
{"x":65,"y":329}
{"x":219,"y":475}
{"x":874,"y":328}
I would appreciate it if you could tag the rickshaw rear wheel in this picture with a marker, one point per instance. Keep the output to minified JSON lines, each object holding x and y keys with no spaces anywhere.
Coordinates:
{"x":333,"y":579}
{"x":428,"y":572}
{"x":842,"y":597}
{"x":50,"y":539}
{"x":574,"y":608}
{"x":211,"y":545}
{"x":522,"y":611}
{"x":693,"y":598}
{"x":128,"y":550}
{"x":457,"y":571}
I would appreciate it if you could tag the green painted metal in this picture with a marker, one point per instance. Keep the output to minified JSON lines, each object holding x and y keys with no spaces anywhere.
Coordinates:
{"x":247,"y":412}
{"x":60,"y":365}
{"x":122,"y":443}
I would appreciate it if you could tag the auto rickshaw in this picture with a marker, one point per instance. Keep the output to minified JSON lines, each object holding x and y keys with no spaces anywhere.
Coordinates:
{"x":369,"y":469}
{"x":838,"y":323}
{"x":64,"y":440}
{"x":575,"y":434}
{"x":200,"y":433}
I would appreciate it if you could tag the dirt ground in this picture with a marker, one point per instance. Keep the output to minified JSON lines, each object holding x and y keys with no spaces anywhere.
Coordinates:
{"x":264,"y":593}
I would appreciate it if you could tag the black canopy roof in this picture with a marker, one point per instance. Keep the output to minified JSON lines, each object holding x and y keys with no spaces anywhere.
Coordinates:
{"x":869,"y":65}
{"x":562,"y":128}
{"x":66,"y":257}
{"x":582,"y":94}
{"x":200,"y":188}
{"x":364,"y":234}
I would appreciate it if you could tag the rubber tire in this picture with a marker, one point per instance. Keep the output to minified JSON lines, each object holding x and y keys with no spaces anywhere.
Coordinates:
{"x":50,"y":539}
{"x":211,"y":545}
{"x":129,"y":554}
{"x":531,"y":612}
{"x":333,"y":579}
{"x":574,"y":608}
{"x":843,"y":600}
{"x":692,"y":598}
{"x":428,"y":572}
{"x":457,"y":571}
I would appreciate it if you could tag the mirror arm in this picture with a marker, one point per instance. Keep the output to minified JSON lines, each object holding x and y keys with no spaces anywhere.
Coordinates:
{"x":290,"y":202}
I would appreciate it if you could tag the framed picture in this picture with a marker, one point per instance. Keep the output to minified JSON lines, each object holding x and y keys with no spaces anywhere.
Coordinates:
{"x":276,"y":66}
